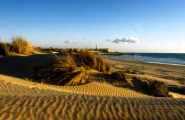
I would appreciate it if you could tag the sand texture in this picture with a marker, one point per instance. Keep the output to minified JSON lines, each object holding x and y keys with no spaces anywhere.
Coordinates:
{"x":80,"y":107}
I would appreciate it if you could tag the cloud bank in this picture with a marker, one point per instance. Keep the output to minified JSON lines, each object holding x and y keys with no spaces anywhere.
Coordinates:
{"x":124,"y":40}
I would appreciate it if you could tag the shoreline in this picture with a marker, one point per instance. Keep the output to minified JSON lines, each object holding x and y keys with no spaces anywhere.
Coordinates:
{"x":173,"y":73}
{"x":156,"y":58}
{"x":160,"y":63}
{"x":145,"y":62}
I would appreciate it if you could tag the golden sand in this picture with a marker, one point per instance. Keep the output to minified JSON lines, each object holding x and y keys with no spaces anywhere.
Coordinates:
{"x":81,"y":107}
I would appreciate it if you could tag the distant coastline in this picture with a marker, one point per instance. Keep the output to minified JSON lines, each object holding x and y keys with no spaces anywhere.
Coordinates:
{"x":177,"y":59}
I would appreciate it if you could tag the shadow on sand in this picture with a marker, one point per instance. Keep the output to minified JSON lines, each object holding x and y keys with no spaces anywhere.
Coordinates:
{"x":23,"y":66}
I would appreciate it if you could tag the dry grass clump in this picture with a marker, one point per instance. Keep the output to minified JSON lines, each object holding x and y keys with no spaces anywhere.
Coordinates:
{"x":61,"y":71}
{"x":4,"y":49}
{"x":71,"y":69}
{"x":21,"y":46}
{"x":63,"y":62}
{"x":61,"y":77}
{"x":118,"y":78}
{"x":154,"y":88}
{"x":56,"y":73}
{"x":91,"y":60}
{"x":80,"y":78}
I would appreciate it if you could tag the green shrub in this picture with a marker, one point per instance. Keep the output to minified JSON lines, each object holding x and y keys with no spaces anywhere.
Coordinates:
{"x":118,"y":75}
{"x":118,"y":78}
{"x":177,"y":89}
{"x":141,"y":85}
{"x":151,"y":87}
{"x":159,"y":89}
{"x":21,"y":46}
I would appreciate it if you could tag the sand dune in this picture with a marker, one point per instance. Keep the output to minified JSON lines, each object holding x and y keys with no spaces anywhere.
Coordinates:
{"x":15,"y":86}
{"x":23,"y":99}
{"x":78,"y":107}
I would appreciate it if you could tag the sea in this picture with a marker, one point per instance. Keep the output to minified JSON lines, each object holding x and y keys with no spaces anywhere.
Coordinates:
{"x":156,"y":58}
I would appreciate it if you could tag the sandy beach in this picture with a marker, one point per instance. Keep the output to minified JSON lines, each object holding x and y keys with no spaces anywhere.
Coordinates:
{"x":172,"y":73}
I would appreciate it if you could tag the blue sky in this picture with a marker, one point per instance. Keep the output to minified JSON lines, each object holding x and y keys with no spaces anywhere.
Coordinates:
{"x":155,"y":25}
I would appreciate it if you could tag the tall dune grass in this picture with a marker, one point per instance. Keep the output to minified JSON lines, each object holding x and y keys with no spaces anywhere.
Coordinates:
{"x":92,"y":60}
{"x":21,"y":46}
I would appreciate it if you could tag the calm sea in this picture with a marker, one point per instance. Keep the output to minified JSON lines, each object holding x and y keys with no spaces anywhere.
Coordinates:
{"x":160,"y":58}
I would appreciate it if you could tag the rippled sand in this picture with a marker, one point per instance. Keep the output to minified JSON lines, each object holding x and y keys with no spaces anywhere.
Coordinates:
{"x":20,"y":99}
{"x":77,"y":107}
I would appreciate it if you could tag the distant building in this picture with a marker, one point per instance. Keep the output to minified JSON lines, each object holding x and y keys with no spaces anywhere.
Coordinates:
{"x":96,"y":47}
{"x":102,"y":50}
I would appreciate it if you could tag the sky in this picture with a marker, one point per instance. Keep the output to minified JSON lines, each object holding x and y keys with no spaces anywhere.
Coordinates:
{"x":121,"y":25}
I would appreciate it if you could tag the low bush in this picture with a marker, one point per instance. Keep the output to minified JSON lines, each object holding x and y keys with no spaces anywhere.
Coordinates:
{"x":159,"y":89}
{"x":118,"y":75}
{"x":177,"y":89}
{"x":118,"y":78}
{"x":152,"y":87}
{"x":141,"y":85}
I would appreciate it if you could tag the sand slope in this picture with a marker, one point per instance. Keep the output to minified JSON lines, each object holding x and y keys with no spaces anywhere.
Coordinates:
{"x":103,"y":89}
{"x":15,"y":86}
